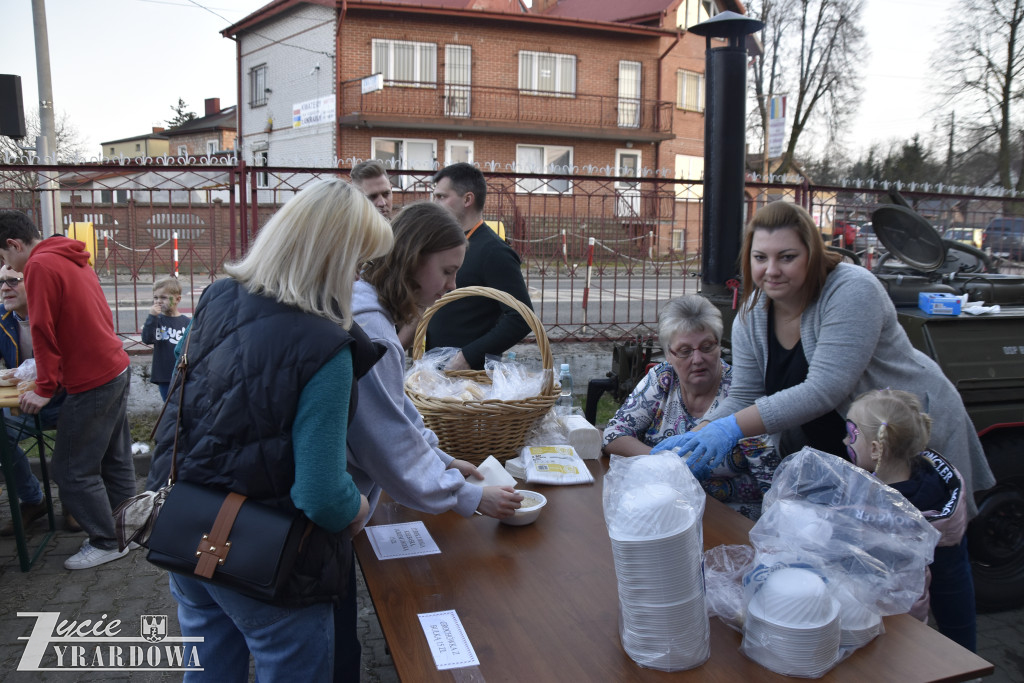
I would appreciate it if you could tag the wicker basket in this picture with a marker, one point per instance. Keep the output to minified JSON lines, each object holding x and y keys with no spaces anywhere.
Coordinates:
{"x":473,"y":430}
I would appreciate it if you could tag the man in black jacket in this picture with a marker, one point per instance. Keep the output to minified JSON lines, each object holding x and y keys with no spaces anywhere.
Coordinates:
{"x":477,"y":325}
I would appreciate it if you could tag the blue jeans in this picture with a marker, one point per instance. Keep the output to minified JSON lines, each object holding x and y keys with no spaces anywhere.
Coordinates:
{"x":288,"y":644}
{"x":28,"y":488}
{"x":952,"y":595}
{"x":163,"y":387}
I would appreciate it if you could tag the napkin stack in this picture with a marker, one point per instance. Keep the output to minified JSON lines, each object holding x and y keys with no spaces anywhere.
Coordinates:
{"x":555,"y":465}
{"x":584,"y":437}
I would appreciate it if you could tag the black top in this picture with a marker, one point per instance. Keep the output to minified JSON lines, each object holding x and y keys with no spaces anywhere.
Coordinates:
{"x":478,"y":325}
{"x":787,"y":368}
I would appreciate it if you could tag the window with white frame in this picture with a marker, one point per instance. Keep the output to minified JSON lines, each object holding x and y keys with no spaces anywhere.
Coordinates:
{"x":629,"y":94}
{"x":547,"y":73}
{"x":212,"y":146}
{"x":692,"y":12}
{"x":182,"y":150}
{"x":456,"y":151}
{"x":457,"y":76}
{"x":690,"y":90}
{"x":260,"y":157}
{"x":689,"y":168}
{"x":258,"y":86}
{"x":405,"y":153}
{"x":544,"y":159}
{"x":407,"y":63}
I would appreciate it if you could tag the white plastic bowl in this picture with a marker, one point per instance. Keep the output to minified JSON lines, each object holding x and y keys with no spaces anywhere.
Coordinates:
{"x":530,"y":510}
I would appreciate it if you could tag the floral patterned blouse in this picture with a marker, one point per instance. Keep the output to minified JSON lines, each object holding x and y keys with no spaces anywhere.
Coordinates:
{"x":655,"y":411}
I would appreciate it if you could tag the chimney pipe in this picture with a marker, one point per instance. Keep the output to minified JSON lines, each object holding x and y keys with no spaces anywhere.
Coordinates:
{"x":725,"y":88}
{"x":212,"y":106}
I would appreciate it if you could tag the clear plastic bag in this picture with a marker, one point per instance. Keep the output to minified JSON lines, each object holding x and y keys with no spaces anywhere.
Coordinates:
{"x":512,"y":381}
{"x":724,"y":569}
{"x":866,"y":542}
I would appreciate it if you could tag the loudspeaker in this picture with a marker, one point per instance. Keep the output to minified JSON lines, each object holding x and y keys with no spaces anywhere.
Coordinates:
{"x":12,"y":113}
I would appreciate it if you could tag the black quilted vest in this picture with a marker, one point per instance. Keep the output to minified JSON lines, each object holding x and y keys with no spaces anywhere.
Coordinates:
{"x":249,"y":359}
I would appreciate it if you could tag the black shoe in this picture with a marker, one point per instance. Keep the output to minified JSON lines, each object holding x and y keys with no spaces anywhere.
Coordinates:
{"x":30,"y":512}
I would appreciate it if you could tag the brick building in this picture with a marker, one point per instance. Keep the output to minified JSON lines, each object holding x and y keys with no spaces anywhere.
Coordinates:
{"x":599,"y":87}
{"x":208,"y":135}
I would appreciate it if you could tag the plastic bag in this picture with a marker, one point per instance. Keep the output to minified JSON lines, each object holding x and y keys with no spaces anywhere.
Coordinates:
{"x":866,"y":542}
{"x":427,"y":376}
{"x":724,"y":569}
{"x":653,"y":507}
{"x":512,"y":381}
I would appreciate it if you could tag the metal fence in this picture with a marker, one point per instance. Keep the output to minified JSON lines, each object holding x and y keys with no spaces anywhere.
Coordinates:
{"x":601,"y":254}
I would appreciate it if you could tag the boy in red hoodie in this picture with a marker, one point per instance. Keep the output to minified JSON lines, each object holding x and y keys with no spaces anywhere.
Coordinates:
{"x":75,"y":346}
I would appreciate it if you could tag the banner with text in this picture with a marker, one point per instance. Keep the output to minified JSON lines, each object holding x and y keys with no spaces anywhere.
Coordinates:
{"x":776,"y":126}
{"x":312,"y":112}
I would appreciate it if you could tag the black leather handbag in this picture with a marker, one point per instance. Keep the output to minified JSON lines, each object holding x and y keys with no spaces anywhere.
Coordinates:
{"x":220,"y":536}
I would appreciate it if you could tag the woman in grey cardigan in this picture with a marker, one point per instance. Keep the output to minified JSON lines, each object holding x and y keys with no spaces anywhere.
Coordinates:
{"x":811,"y":336}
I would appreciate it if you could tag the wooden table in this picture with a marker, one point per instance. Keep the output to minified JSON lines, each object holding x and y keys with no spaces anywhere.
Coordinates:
{"x":539,"y":603}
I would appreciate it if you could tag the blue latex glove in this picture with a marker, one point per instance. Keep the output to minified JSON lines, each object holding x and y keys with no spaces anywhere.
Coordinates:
{"x":679,"y":444}
{"x":712,"y":446}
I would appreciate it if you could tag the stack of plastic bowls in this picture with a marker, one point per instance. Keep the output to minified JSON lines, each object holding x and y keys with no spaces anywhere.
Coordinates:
{"x":858,"y":623}
{"x":658,"y":563}
{"x":792,"y":624}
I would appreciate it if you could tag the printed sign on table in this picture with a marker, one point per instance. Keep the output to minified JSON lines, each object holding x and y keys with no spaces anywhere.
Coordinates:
{"x":448,"y":640}
{"x":391,"y":541}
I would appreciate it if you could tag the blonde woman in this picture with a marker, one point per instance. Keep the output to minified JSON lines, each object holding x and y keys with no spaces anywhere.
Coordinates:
{"x":273,"y":360}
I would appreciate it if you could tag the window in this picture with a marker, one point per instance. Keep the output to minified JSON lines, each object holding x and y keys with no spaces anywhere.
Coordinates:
{"x":182,"y":150}
{"x":689,"y":168}
{"x":458,"y":150}
{"x":111,"y":151}
{"x":260,"y":158}
{"x":138,"y":147}
{"x":690,"y":89}
{"x":212,"y":146}
{"x":629,"y":94}
{"x":456,"y":80}
{"x":692,"y":12}
{"x":407,"y":154}
{"x":402,"y":62}
{"x":544,"y":73}
{"x":258,"y":86}
{"x":544,"y":159}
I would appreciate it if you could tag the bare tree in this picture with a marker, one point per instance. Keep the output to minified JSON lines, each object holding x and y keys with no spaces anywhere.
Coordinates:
{"x":812,"y":54}
{"x":70,"y":146}
{"x":982,"y":62}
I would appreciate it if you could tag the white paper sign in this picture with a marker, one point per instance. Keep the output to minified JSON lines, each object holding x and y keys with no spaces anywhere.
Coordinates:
{"x":448,"y":640}
{"x":411,"y":539}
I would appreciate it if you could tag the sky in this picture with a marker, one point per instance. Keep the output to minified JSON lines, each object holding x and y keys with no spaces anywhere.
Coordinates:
{"x":117,"y":66}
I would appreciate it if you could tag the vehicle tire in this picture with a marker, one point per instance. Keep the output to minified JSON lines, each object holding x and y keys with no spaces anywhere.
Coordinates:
{"x":995,"y":537}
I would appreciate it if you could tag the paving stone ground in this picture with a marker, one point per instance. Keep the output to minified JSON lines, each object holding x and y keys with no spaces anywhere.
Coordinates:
{"x":131,"y":587}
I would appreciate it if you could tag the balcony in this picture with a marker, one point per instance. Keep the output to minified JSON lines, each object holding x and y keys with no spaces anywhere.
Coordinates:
{"x":505,"y":110}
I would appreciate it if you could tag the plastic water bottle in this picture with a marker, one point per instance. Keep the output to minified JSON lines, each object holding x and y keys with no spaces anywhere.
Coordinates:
{"x":565,"y":379}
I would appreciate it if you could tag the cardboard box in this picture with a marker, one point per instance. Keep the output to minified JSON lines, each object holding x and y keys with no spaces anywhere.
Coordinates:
{"x":934,"y":303}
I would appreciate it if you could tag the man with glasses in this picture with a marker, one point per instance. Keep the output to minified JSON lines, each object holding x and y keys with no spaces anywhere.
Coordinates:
{"x":16,"y":348}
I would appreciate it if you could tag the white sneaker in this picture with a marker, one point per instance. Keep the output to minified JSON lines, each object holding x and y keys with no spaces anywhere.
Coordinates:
{"x":90,"y":556}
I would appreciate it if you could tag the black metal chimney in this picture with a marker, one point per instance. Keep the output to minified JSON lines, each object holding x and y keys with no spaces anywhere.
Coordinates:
{"x":725,"y":88}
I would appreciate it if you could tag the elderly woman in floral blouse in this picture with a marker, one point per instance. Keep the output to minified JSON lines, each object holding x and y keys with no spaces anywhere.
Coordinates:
{"x":674,"y":396}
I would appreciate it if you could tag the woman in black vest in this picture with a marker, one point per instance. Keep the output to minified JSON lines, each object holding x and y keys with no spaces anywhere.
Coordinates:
{"x":273,"y":359}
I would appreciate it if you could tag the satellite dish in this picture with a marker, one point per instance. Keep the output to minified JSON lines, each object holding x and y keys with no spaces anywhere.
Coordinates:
{"x":909,"y":237}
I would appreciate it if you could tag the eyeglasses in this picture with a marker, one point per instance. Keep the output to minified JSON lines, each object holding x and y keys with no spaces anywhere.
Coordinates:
{"x":685,"y":353}
{"x":12,"y":282}
{"x":852,"y":431}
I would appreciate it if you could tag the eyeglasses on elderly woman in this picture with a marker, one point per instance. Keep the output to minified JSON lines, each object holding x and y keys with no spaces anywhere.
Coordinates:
{"x":686,"y":352}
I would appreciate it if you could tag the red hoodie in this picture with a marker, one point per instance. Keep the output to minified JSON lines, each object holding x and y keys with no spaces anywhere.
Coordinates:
{"x":72,"y":327}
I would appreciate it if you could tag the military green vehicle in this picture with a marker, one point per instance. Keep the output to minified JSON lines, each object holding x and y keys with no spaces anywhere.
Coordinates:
{"x":984,"y":358}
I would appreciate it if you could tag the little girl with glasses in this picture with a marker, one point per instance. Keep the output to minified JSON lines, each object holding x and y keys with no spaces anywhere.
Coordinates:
{"x":887,"y":434}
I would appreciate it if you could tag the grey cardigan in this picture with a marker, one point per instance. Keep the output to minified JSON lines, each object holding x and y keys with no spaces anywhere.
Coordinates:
{"x":853,"y":343}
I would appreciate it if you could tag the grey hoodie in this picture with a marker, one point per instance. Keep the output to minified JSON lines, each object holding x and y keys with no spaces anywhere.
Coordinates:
{"x":389,"y":447}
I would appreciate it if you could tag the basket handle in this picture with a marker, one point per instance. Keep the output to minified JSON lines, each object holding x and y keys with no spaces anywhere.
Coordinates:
{"x":419,"y":341}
